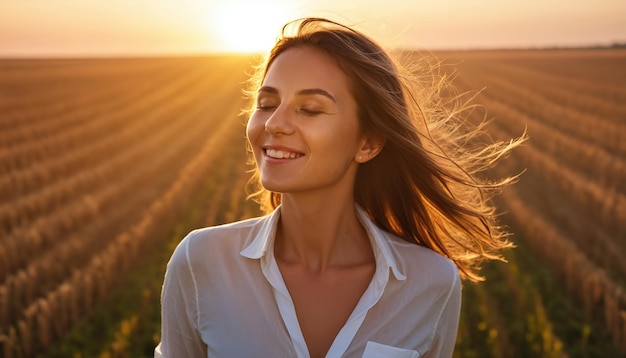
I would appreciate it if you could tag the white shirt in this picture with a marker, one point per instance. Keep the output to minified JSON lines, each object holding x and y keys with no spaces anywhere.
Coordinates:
{"x":224,"y":296}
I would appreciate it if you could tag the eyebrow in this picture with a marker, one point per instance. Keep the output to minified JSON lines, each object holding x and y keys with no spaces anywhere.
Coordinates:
{"x":306,"y":91}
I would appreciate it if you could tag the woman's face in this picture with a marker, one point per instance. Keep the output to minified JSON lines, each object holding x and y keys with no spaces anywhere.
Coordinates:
{"x":304,"y":132}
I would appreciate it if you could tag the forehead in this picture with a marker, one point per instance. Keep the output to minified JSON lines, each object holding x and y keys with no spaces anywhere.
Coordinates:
{"x":306,"y":67}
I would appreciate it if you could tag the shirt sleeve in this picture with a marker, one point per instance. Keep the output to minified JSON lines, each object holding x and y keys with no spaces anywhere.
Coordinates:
{"x":179,"y":309}
{"x":444,"y":338}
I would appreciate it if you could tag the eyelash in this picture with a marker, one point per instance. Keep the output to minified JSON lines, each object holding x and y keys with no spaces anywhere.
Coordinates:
{"x":307,"y":112}
{"x":265,"y":108}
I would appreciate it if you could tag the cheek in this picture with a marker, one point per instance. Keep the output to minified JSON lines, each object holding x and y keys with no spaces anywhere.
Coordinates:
{"x":346,"y":138}
{"x":254,"y":128}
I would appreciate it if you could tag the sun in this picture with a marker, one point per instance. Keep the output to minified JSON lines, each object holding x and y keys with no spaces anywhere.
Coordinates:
{"x":246,"y":27}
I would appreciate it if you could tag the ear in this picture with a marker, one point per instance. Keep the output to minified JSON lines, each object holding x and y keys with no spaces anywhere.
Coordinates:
{"x":369,"y":148}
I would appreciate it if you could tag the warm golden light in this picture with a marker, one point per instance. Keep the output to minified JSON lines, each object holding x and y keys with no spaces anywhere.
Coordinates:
{"x":249,"y":26}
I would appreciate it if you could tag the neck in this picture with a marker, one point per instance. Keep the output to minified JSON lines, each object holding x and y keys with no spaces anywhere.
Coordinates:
{"x":320,"y":233}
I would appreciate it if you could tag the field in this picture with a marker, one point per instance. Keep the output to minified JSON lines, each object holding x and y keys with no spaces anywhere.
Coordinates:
{"x":106,"y":164}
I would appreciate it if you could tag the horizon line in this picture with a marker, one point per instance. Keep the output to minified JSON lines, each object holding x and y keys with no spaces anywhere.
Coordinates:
{"x":616,"y":45}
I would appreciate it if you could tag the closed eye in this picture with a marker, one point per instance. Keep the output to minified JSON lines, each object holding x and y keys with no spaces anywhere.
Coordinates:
{"x":265,"y":108}
{"x":310,"y":112}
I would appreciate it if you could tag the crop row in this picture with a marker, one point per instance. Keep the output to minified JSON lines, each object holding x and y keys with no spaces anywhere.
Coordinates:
{"x":584,"y":73}
{"x":43,"y":119}
{"x":603,"y":207}
{"x":49,"y":317}
{"x":600,"y":297}
{"x":589,"y":128}
{"x":591,"y":161}
{"x":221,"y":199}
{"x":554,"y":84}
{"x":103,"y":118}
{"x":122,"y":129}
{"x":570,"y":205}
{"x":599,"y":294}
{"x":27,"y":252}
{"x":157,"y":119}
{"x":574,"y":188}
{"x":577,"y":176}
{"x":561,"y":89}
{"x":40,"y":95}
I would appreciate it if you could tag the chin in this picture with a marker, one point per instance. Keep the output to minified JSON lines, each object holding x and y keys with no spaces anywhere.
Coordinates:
{"x":274,"y":186}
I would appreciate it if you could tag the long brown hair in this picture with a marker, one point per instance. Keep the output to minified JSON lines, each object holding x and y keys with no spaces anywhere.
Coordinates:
{"x":423,"y":185}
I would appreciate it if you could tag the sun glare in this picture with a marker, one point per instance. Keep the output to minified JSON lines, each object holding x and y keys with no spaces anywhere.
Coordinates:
{"x":249,"y":26}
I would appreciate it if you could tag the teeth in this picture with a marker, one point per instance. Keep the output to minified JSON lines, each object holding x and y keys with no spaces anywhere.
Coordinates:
{"x":281,"y":154}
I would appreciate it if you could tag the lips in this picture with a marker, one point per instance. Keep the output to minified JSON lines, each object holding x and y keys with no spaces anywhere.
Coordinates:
{"x":281,"y":153}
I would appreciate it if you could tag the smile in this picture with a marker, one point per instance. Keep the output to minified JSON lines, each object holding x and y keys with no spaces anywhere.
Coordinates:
{"x":281,"y":154}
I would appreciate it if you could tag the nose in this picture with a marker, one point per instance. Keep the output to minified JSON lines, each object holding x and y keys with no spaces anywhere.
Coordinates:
{"x":279,"y":122}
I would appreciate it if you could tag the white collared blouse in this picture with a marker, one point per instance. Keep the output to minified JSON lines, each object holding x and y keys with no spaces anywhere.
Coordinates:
{"x":224,"y":296}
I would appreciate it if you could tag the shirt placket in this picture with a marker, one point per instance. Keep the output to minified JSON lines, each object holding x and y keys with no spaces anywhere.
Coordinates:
{"x":288,"y":312}
{"x":284,"y":302}
{"x":370,"y":297}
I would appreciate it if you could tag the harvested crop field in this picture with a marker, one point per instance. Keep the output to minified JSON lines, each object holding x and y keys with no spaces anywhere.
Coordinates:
{"x":105,"y":164}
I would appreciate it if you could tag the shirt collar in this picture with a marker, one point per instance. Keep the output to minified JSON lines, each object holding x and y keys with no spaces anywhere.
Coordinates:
{"x":379,"y":239}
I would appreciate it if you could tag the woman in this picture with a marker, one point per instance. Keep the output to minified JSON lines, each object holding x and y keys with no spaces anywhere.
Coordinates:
{"x":371,"y":217}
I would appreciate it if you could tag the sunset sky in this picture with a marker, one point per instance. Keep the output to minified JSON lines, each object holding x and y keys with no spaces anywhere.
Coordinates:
{"x":145,"y":27}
